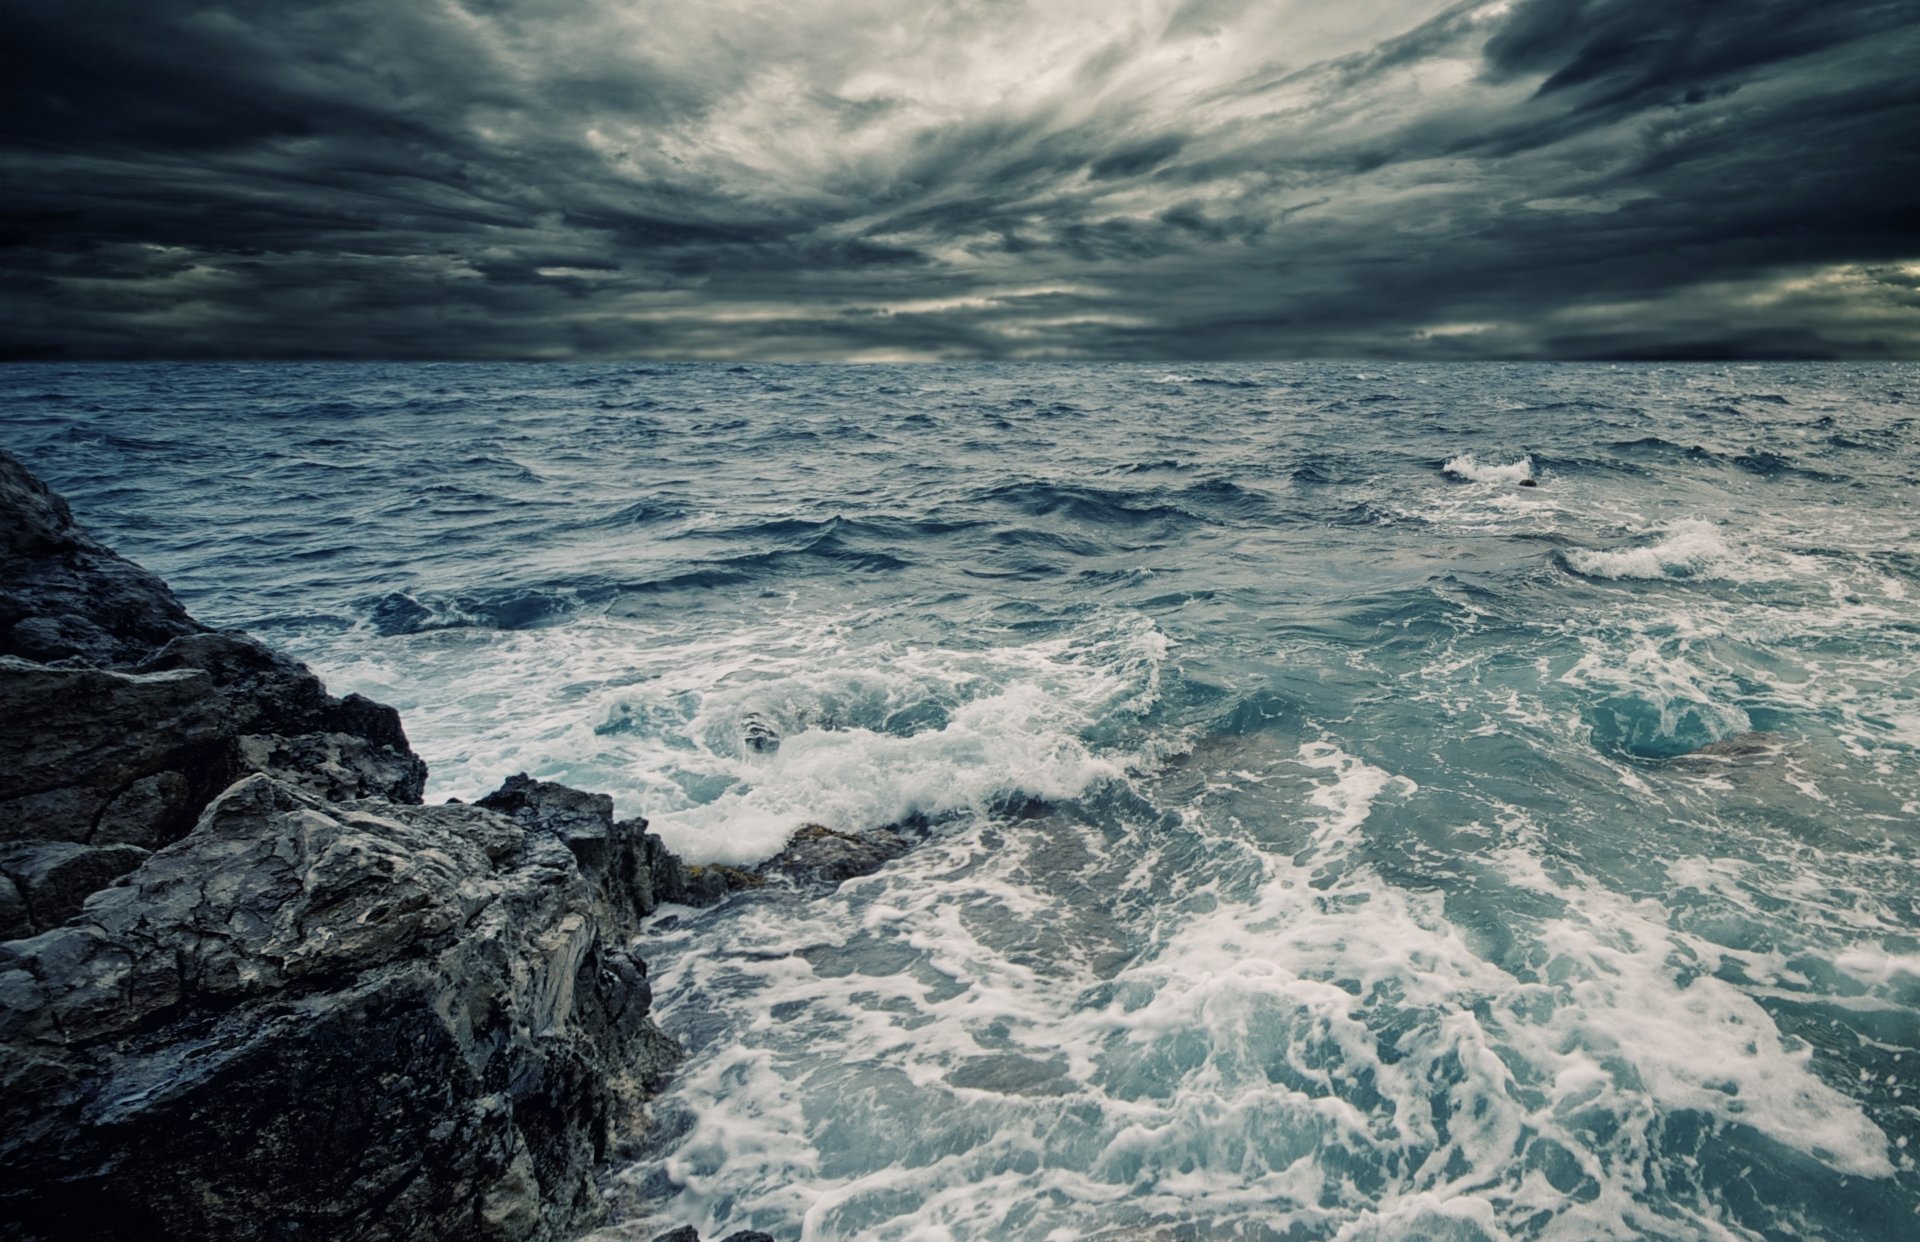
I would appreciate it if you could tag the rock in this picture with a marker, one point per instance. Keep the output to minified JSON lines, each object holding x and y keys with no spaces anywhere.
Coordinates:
{"x":1750,"y":747}
{"x":64,"y":596}
{"x":817,"y":857}
{"x":759,"y":734}
{"x":632,"y":866}
{"x":685,"y":1233}
{"x":609,"y":854}
{"x":15,"y":919}
{"x":123,"y":716}
{"x":338,"y":766}
{"x":379,"y":1020}
{"x":78,"y":741}
{"x":53,"y":878}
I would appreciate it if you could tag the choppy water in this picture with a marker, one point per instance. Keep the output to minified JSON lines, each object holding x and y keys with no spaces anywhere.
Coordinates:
{"x":1315,"y":850}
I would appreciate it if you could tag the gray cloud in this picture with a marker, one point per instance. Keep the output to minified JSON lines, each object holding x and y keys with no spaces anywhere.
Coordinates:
{"x":994,"y":178}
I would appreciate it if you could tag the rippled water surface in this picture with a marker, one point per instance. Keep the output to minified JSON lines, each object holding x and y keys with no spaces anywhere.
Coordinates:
{"x":1318,"y":839}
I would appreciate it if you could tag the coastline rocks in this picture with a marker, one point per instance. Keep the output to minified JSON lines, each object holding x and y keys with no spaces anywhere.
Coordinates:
{"x":818,"y":858}
{"x":250,"y":987}
{"x":123,"y":716}
{"x":357,"y":1019}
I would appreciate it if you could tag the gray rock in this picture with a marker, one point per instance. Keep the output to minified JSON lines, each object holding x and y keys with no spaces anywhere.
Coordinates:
{"x":1750,"y":747}
{"x":15,"y":919}
{"x":77,"y":741}
{"x":357,"y":1020}
{"x":337,"y":766}
{"x":54,"y":878}
{"x":632,"y":866}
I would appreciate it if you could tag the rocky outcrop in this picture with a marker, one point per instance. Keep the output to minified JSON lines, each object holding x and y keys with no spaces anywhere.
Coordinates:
{"x":347,"y":1020}
{"x":65,"y":596}
{"x":251,"y":988}
{"x":124,"y":716}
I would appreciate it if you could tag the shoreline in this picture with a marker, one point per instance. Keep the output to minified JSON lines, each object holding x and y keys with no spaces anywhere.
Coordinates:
{"x":251,"y":985}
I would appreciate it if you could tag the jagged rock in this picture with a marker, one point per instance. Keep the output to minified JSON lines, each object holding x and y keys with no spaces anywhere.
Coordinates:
{"x":816,"y":859}
{"x":78,"y":741}
{"x":124,"y":716}
{"x":364,"y":1019}
{"x":320,"y":1009}
{"x":53,"y":878}
{"x":15,"y":919}
{"x":633,"y":866}
{"x":337,"y":766}
{"x":64,"y":596}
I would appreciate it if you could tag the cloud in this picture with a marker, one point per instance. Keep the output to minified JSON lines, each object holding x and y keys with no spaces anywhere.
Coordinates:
{"x":842,"y":178}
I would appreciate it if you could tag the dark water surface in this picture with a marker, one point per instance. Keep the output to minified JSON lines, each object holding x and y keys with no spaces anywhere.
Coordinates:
{"x":1320,"y":840}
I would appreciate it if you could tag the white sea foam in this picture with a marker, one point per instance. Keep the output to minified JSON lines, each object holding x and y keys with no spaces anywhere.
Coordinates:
{"x":869,"y":731}
{"x":1022,"y":1067}
{"x":1689,"y":549}
{"x":1467,"y":466}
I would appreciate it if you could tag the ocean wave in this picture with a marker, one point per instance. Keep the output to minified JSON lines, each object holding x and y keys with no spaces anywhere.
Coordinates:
{"x":398,"y":613}
{"x":1691,"y":549}
{"x":1467,"y":466}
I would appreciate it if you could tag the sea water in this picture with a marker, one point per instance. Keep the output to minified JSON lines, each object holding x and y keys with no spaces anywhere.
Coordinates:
{"x":1322,"y":832}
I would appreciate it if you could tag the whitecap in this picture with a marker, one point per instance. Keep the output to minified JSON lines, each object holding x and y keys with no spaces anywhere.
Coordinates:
{"x":1467,"y":466}
{"x":1691,"y":549}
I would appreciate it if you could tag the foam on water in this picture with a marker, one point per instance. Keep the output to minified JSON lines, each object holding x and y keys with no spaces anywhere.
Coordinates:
{"x":1300,"y":1045}
{"x":1688,"y":549}
{"x":870,"y":731}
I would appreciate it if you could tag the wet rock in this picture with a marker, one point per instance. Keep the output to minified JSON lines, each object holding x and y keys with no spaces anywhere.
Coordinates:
{"x":15,"y":919}
{"x":632,"y":867}
{"x":377,"y":1019}
{"x":817,"y":857}
{"x":1751,"y":747}
{"x":759,"y":735}
{"x":338,"y":766}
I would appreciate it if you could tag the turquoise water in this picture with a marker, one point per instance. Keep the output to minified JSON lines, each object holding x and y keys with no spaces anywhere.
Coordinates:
{"x":1318,"y":839}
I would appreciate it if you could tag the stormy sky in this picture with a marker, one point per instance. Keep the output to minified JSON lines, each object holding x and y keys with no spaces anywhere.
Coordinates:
{"x":889,"y":179}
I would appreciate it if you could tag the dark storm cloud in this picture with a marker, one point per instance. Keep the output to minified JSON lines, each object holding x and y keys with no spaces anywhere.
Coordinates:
{"x":994,"y":178}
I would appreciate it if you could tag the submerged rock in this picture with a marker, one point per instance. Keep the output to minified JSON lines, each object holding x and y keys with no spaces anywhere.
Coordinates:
{"x":817,"y":857}
{"x":1751,"y":747}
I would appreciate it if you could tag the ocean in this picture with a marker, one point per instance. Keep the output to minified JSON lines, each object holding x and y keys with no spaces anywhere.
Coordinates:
{"x":1353,"y":801}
